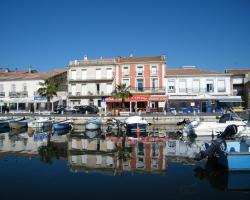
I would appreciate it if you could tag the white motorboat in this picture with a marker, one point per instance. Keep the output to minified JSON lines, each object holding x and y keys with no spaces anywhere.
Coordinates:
{"x":136,"y":126}
{"x":199,"y":128}
{"x":41,"y":123}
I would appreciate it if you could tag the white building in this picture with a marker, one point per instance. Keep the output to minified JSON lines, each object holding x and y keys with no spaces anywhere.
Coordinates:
{"x":90,"y":81}
{"x":190,"y":88}
{"x":18,"y":90}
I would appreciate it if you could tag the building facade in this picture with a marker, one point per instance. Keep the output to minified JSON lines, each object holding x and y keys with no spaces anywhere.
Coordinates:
{"x":240,"y":80}
{"x":18,"y":90}
{"x":145,"y":76}
{"x":189,"y":88}
{"x":90,"y":81}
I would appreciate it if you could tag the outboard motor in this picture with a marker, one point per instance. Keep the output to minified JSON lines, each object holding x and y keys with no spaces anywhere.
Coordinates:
{"x":229,"y":131}
{"x":218,"y":144}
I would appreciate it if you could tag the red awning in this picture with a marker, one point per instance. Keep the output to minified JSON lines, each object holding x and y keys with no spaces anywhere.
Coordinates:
{"x":138,"y":98}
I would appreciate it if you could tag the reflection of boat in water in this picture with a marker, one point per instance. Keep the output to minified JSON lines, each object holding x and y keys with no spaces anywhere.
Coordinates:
{"x":93,"y":124}
{"x":60,"y":132}
{"x":222,"y":179}
{"x":93,"y":133}
{"x":18,"y":124}
{"x":62,"y":125}
{"x":136,"y":126}
{"x":213,"y":128}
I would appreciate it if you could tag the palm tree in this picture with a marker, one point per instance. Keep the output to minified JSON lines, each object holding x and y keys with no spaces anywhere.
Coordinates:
{"x":121,"y":92}
{"x":48,"y":89}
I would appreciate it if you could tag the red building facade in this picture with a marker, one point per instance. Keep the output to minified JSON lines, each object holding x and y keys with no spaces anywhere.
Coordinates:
{"x":145,"y":76}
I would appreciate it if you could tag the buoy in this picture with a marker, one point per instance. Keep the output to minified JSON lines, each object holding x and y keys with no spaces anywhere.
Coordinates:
{"x":138,"y":131}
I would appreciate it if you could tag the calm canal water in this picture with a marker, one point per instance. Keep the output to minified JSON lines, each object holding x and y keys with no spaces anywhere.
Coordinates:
{"x":35,"y":166}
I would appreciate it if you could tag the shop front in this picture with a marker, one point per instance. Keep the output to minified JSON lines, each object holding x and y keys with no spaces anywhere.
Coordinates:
{"x":137,"y":103}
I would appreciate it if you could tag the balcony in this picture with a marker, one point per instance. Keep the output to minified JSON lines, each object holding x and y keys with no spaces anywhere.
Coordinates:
{"x":148,"y":89}
{"x":88,"y":94}
{"x":92,"y":80}
{"x":2,"y":94}
{"x":21,"y":94}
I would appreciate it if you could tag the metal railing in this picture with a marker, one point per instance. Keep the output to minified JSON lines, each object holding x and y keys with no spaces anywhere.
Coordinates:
{"x":80,"y":94}
{"x":194,"y":90}
{"x":18,"y":94}
{"x":147,"y":89}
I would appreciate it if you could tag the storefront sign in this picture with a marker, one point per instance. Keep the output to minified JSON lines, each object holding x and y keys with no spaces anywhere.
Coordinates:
{"x":158,"y":98}
{"x":40,"y":98}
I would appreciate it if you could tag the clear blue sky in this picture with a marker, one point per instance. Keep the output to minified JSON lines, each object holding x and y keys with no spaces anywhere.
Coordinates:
{"x":47,"y":34}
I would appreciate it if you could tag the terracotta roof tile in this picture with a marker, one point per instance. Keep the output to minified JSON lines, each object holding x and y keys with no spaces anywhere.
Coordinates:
{"x":188,"y":72}
{"x":5,"y":76}
{"x":237,"y":71}
{"x":141,"y":59}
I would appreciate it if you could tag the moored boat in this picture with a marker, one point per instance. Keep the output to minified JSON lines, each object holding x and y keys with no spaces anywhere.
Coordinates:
{"x":136,"y":126}
{"x":41,"y":123}
{"x":93,"y":133}
{"x":199,"y":128}
{"x":62,"y":125}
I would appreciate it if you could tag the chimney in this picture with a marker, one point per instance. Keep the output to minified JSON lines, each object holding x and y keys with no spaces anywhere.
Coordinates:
{"x":131,"y":55}
{"x":85,"y":57}
{"x":163,"y":57}
{"x":29,"y":70}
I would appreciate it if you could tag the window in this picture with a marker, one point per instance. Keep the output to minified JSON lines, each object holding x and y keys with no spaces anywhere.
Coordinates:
{"x":154,"y":70}
{"x":97,"y":88}
{"x":139,"y":71}
{"x":183,"y":86}
{"x":109,"y":88}
{"x":99,"y":103}
{"x":1,"y":88}
{"x":126,"y":81}
{"x":73,"y":74}
{"x":196,"y":85}
{"x":210,"y":86}
{"x":109,"y":73}
{"x":98,"y":73}
{"x":154,"y":84}
{"x":73,"y":89}
{"x":171,"y":86}
{"x":84,"y":88}
{"x":140,"y":85}
{"x":221,"y":86}
{"x":25,"y":87}
{"x":84,"y":74}
{"x":13,"y":87}
{"x":125,"y":71}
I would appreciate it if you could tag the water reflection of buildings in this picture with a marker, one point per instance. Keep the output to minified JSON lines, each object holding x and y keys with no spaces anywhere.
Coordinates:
{"x":21,"y":143}
{"x":145,"y":157}
{"x":91,"y":154}
{"x":110,"y":155}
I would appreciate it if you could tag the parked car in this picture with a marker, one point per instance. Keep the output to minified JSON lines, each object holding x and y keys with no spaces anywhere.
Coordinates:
{"x":59,"y":109}
{"x":84,"y":109}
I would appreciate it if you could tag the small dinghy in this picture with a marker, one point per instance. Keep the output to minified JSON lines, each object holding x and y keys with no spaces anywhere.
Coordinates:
{"x":136,"y":126}
{"x":93,"y":124}
{"x":6,"y":121}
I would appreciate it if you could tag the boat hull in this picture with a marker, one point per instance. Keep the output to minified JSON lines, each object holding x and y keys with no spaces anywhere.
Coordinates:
{"x":61,"y":126}
{"x":132,"y":130}
{"x":93,"y":133}
{"x":93,"y":124}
